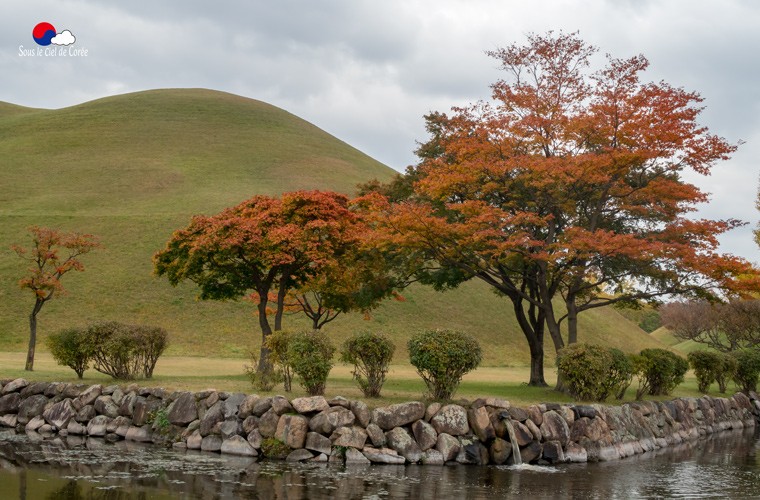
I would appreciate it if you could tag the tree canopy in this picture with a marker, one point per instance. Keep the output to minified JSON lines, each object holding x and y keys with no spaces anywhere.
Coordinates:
{"x":52,"y":254}
{"x":268,"y":248}
{"x":567,"y":185}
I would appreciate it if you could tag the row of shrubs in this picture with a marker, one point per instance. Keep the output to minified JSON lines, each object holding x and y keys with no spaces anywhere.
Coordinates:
{"x":122,"y":351}
{"x":594,"y":373}
{"x":441,"y":357}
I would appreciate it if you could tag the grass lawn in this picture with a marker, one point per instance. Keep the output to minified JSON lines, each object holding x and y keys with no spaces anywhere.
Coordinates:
{"x":403,"y":384}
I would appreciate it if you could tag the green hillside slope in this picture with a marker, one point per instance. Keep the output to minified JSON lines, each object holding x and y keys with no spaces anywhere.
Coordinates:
{"x":133,"y":168}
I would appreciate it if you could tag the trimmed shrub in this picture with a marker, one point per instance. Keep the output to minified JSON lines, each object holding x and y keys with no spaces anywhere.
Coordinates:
{"x":370,"y":353}
{"x":310,"y":355}
{"x":725,"y":371}
{"x":69,"y":348}
{"x":277,"y":343}
{"x":442,"y":357}
{"x":706,"y":365}
{"x":153,"y":341}
{"x":261,"y":381}
{"x":583,"y":368}
{"x":593,"y":373}
{"x":747,"y":369}
{"x":659,"y":372}
{"x":620,"y":375}
{"x":125,"y":351}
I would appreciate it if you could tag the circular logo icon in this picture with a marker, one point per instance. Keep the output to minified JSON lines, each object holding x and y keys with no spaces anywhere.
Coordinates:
{"x":43,"y":33}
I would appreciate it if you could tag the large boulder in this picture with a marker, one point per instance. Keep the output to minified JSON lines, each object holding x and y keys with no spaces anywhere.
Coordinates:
{"x":500,"y":451}
{"x":425,"y":434}
{"x":355,"y":457}
{"x":37,"y":388}
{"x":555,"y":428}
{"x":184,"y":409}
{"x":246,"y":406}
{"x":299,"y":455}
{"x":317,"y":442}
{"x":292,"y":429}
{"x":97,"y":426}
{"x":211,"y":418}
{"x":523,"y":436}
{"x":399,"y":439}
{"x":105,"y":405}
{"x":451,"y":419}
{"x":327,"y":421}
{"x":237,"y":445}
{"x":310,"y":404}
{"x":10,"y":403}
{"x":481,"y":423}
{"x":14,"y":386}
{"x":31,"y":407}
{"x":448,"y":445}
{"x":268,"y":423}
{"x":60,"y":414}
{"x":353,"y":437}
{"x":383,"y":456}
{"x":88,"y":396}
{"x":211,"y":443}
{"x":398,"y":415}
{"x":232,"y":404}
{"x":376,"y":435}
{"x":361,"y":411}
{"x":139,"y":434}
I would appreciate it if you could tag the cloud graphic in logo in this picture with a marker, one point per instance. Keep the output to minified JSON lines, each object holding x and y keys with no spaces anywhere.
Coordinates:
{"x":63,"y":38}
{"x":45,"y":34}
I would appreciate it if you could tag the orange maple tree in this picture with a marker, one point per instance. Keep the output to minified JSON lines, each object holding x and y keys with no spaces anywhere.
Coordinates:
{"x":568,"y":185}
{"x":52,"y":254}
{"x":268,"y":249}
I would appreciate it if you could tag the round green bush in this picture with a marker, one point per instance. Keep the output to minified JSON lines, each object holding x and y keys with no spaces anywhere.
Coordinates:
{"x":583,"y":368}
{"x":747,"y":369}
{"x":277,"y":343}
{"x":659,"y":371}
{"x":725,"y":371}
{"x":69,"y":348}
{"x":310,"y":355}
{"x":125,"y":351}
{"x":442,"y":357}
{"x":593,"y":373}
{"x":371,"y":354}
{"x":706,"y":365}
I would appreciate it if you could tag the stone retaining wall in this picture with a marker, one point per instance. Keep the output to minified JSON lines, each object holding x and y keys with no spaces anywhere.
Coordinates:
{"x":486,"y":431}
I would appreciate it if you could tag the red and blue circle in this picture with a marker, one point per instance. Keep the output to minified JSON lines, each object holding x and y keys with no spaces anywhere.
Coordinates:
{"x":43,"y":33}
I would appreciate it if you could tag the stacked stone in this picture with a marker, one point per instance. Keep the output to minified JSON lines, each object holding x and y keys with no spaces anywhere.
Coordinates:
{"x":487,"y":431}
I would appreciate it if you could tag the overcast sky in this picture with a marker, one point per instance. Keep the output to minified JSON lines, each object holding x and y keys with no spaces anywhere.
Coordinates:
{"x":367,"y":71}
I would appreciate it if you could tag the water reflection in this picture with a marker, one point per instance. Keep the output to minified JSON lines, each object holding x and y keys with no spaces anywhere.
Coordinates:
{"x":76,"y":468}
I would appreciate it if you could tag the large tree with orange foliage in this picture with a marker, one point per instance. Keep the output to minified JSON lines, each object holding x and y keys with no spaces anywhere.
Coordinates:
{"x":568,"y":184}
{"x":53,"y":253}
{"x":265,"y":248}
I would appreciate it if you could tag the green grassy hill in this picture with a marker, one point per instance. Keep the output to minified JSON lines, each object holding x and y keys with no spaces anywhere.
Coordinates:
{"x":133,"y":168}
{"x":684,"y":347}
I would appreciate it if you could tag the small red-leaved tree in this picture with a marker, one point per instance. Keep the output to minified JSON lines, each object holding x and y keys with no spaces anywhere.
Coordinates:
{"x":264,"y":248}
{"x":52,"y":254}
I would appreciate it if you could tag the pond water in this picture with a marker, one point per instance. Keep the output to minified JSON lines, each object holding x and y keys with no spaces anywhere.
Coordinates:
{"x":722,"y":466}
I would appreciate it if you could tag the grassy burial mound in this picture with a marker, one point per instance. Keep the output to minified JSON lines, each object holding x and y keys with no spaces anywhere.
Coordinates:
{"x":133,"y":168}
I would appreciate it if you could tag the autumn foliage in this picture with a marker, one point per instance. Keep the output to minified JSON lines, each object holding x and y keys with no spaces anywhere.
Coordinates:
{"x":566,"y":185}
{"x":52,"y":254}
{"x":273,"y":249}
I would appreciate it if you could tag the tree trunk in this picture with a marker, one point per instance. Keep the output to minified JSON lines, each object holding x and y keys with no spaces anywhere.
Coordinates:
{"x":281,"y":292}
{"x":572,"y":320}
{"x":33,"y":335}
{"x":537,"y":365}
{"x":534,"y":334}
{"x":265,"y":365}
